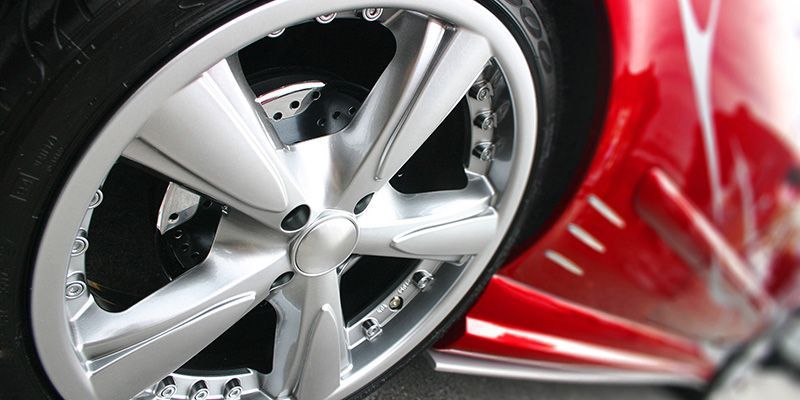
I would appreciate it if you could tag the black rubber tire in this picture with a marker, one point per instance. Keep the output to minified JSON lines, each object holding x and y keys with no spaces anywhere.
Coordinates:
{"x":67,"y":65}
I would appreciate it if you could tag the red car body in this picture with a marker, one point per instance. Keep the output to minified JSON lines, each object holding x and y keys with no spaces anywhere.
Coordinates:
{"x":682,"y":240}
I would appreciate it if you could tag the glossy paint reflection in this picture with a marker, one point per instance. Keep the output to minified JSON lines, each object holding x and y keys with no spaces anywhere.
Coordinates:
{"x":699,"y":221}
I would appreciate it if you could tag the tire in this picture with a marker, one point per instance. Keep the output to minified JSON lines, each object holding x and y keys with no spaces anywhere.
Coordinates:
{"x":67,"y":66}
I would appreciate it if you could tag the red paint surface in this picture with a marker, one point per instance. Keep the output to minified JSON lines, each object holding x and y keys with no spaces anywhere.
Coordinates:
{"x":654,"y":275}
{"x":534,"y":325}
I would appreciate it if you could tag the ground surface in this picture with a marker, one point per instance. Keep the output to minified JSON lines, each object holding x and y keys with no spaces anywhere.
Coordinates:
{"x":419,"y":381}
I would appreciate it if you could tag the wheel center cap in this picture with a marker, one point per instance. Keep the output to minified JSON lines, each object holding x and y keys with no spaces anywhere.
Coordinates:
{"x":328,"y":242}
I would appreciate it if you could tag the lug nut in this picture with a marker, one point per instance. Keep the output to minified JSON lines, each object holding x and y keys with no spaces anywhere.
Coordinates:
{"x":372,"y":329}
{"x":199,"y":391}
{"x":276,"y":33}
{"x":327,"y":18}
{"x":396,"y":303}
{"x":422,"y":279}
{"x":97,"y":198}
{"x":481,"y":91}
{"x":371,"y":14}
{"x":166,"y":389}
{"x":484,"y":151}
{"x":233,"y":389}
{"x":486,"y":120}
{"x":80,"y":244}
{"x":74,"y":289}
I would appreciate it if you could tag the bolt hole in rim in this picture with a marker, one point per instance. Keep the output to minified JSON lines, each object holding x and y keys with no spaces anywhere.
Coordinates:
{"x":61,"y":352}
{"x":296,"y":218}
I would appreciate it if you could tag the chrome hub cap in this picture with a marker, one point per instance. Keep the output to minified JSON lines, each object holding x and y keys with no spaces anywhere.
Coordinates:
{"x":320,"y":225}
{"x":326,"y":244}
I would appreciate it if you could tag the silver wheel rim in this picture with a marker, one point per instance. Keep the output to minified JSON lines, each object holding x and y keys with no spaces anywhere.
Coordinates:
{"x":90,"y":353}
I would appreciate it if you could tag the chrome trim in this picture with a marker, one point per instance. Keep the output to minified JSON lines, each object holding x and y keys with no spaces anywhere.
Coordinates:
{"x":563,"y":262}
{"x":586,"y":238}
{"x":606,"y":211}
{"x":462,"y":362}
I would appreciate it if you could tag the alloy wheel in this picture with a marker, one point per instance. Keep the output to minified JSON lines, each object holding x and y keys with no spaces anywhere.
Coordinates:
{"x":293,"y":213}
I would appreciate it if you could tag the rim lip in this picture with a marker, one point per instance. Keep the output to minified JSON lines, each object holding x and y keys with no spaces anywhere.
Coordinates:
{"x":51,"y":332}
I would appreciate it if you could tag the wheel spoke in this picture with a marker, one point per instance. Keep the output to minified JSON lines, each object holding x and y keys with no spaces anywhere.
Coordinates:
{"x":310,"y":348}
{"x":210,"y":136}
{"x":130,"y":350}
{"x":300,"y":179}
{"x":433,"y":68}
{"x":437,"y":225}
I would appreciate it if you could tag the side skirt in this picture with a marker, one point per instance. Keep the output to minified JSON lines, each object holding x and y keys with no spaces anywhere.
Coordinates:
{"x":462,"y":362}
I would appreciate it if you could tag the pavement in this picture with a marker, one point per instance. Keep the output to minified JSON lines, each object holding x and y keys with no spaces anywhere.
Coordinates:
{"x":419,"y":381}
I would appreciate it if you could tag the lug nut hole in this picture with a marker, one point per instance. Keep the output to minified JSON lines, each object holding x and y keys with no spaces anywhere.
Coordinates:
{"x":283,"y":279}
{"x":296,"y":218}
{"x":362,"y":204}
{"x":294,"y":105}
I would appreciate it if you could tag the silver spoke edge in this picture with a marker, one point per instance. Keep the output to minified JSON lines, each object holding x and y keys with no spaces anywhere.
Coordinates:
{"x":311,"y":350}
{"x":211,"y":137}
{"x":443,"y":225}
{"x":134,"y":348}
{"x":433,"y":68}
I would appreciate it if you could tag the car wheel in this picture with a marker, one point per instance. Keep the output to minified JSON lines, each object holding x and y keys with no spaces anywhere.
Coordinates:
{"x":259,"y":200}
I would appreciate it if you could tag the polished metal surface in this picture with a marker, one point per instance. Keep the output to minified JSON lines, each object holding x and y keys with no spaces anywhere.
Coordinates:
{"x":326,"y":244}
{"x":484,"y":151}
{"x":166,"y":389}
{"x":221,"y":144}
{"x":97,"y":198}
{"x":508,"y":368}
{"x":371,"y":14}
{"x":233,"y":389}
{"x":481,"y":91}
{"x":486,"y":120}
{"x":383,"y":313}
{"x":80,"y":245}
{"x":199,"y":391}
{"x":75,"y":289}
{"x":179,"y":205}
{"x":291,"y":100}
{"x":276,"y":33}
{"x":326,"y":19}
{"x":422,"y":279}
{"x":372,"y":328}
